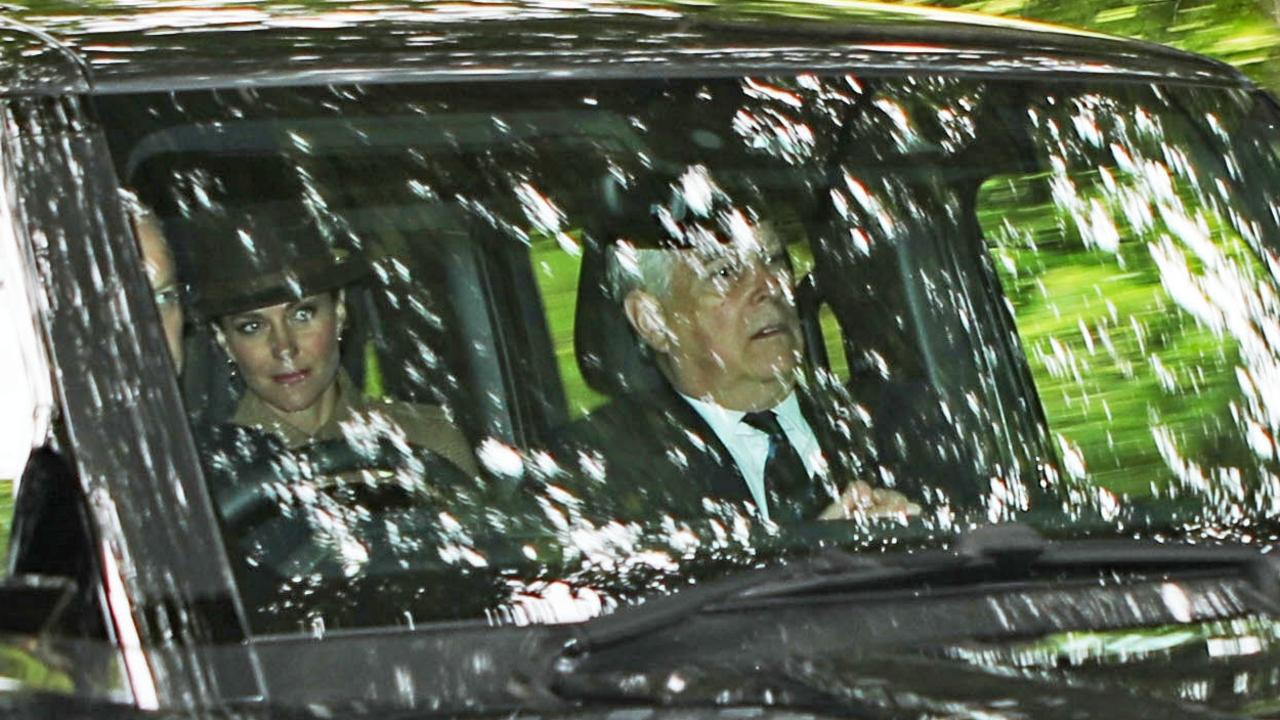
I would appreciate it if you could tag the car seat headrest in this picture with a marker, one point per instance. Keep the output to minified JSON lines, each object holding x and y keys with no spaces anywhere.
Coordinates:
{"x":610,"y":357}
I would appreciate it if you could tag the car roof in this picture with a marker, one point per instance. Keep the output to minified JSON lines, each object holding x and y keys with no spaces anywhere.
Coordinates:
{"x":140,"y":46}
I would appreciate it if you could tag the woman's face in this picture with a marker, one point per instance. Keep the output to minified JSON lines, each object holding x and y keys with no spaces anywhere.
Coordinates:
{"x":287,"y":353}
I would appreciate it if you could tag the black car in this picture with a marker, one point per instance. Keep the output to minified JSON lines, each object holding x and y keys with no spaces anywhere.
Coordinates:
{"x":387,"y":445}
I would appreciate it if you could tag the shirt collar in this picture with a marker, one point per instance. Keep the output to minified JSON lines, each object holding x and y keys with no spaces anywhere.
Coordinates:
{"x":725,"y":421}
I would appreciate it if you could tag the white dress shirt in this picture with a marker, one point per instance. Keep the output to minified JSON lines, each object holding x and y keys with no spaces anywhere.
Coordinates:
{"x":749,"y":447}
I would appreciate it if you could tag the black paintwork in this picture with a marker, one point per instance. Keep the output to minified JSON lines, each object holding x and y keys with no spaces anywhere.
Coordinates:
{"x":137,"y":47}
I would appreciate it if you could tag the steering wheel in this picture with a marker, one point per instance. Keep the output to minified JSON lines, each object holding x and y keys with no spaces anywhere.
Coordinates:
{"x":255,"y":496}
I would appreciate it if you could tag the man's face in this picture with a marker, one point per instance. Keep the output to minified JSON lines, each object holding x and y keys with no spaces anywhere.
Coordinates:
{"x":163,"y":277}
{"x":731,"y":329}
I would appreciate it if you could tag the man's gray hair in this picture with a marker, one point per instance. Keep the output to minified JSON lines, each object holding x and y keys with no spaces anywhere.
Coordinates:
{"x":631,"y":268}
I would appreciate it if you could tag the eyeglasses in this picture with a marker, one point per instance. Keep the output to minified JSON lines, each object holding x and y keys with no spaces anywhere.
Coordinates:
{"x":170,"y":296}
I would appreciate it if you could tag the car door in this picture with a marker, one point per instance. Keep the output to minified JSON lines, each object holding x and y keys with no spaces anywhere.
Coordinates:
{"x":149,"y":535}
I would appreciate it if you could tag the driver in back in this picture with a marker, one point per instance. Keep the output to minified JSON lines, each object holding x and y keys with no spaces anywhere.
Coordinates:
{"x":273,"y":286}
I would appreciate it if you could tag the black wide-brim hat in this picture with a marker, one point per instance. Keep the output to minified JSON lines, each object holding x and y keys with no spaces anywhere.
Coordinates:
{"x":242,"y":259}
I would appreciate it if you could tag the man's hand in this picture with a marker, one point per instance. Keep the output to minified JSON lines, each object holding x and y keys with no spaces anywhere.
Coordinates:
{"x":861,"y":500}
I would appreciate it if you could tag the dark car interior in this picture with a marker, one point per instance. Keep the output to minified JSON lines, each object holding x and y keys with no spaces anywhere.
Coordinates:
{"x":452,"y":246}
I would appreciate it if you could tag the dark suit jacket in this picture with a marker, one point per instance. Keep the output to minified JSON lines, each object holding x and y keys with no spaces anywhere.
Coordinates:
{"x":646,"y":455}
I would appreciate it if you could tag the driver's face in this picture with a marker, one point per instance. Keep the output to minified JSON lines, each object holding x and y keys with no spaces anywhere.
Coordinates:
{"x":288,"y":353}
{"x":734,"y":331}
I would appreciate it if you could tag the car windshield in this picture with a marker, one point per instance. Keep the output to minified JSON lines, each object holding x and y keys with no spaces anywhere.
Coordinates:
{"x":439,"y":334}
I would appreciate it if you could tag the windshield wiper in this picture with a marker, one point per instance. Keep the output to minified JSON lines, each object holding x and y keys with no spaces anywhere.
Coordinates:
{"x":826,"y":570}
{"x":1006,"y":552}
{"x":1019,"y":553}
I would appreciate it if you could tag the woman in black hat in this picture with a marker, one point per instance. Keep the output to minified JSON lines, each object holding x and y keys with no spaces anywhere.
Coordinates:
{"x":273,"y":284}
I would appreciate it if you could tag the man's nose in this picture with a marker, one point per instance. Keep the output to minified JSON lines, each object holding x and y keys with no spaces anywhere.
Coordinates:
{"x":769,"y":281}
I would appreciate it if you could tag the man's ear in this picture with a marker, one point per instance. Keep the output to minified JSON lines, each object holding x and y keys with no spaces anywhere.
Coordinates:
{"x":644,"y":312}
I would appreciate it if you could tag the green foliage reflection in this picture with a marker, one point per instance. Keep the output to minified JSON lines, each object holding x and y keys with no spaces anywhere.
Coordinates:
{"x":1240,"y":32}
{"x":1140,"y":389}
{"x":556,"y":270}
{"x":6,"y":515}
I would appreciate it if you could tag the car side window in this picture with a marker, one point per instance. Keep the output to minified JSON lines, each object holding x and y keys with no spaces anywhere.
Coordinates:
{"x":556,"y":267}
{"x":1141,"y":307}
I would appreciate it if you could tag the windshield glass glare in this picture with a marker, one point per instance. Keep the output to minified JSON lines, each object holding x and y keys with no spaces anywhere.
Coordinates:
{"x":527,"y":353}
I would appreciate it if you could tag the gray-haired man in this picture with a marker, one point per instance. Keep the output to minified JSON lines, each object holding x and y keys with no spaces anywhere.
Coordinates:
{"x":707,"y":287}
